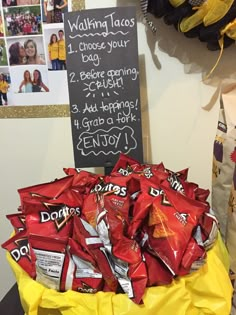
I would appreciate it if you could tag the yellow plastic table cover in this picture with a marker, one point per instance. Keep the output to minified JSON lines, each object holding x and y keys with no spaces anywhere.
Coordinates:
{"x":207,"y":291}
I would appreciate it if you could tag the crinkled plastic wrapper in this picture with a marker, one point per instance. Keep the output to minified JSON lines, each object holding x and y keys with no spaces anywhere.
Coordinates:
{"x":207,"y":291}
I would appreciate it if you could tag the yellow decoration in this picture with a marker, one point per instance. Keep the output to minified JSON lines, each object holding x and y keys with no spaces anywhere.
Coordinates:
{"x":230,"y":30}
{"x":217,"y":11}
{"x":208,"y":13}
{"x":197,"y":18}
{"x":176,"y":3}
{"x":206,"y":291}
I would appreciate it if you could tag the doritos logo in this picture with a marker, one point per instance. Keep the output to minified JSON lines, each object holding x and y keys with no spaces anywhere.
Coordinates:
{"x":125,"y":172}
{"x":22,"y":249}
{"x":155,"y":192}
{"x":182,"y":217}
{"x":59,"y":217}
{"x":147,"y":172}
{"x":109,"y":187}
{"x":175,"y":183}
{"x":86,"y":288}
{"x":165,"y":201}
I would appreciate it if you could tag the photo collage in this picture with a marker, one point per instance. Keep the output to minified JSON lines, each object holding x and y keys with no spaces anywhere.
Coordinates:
{"x":32,"y":44}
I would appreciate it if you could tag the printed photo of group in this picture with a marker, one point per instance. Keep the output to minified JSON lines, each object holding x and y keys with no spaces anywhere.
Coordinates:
{"x":32,"y":43}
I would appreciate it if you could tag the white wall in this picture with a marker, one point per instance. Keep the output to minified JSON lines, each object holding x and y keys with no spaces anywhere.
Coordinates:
{"x":175,"y":128}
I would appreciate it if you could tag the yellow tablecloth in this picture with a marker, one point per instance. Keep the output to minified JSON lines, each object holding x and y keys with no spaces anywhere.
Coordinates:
{"x":207,"y":291}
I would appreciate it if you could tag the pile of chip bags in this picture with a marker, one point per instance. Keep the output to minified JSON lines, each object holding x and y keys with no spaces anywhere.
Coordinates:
{"x":141,"y":226}
{"x":212,"y":21}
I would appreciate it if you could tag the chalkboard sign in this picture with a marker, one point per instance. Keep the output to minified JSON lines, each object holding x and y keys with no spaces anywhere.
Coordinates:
{"x":103,"y":78}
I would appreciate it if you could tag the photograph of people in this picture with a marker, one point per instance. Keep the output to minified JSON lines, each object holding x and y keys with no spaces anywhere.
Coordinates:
{"x":31,"y":53}
{"x":24,"y":20}
{"x":1,"y":27}
{"x":53,"y":10}
{"x":3,"y":54}
{"x":59,"y":5}
{"x":16,"y":54}
{"x":56,"y":57}
{"x":26,"y":50}
{"x":53,"y":51}
{"x":26,"y":85}
{"x":38,"y":85}
{"x":9,"y":3}
{"x":61,"y":51}
{"x":4,"y":86}
{"x":28,"y":79}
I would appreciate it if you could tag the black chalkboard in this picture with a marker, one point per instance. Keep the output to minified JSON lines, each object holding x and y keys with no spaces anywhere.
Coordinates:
{"x":103,"y":79}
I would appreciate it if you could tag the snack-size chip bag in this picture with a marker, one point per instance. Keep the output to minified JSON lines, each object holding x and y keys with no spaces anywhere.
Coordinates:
{"x":172,"y":218}
{"x":17,"y":220}
{"x":55,"y":220}
{"x":209,"y":229}
{"x":178,"y":184}
{"x":83,"y":181}
{"x":19,"y":248}
{"x":85,"y":277}
{"x":124,"y":253}
{"x":49,"y":260}
{"x":116,"y":188}
{"x":201,"y":194}
{"x":68,"y":197}
{"x":126,"y":166}
{"x":150,"y":189}
{"x":47,"y":190}
{"x":193,"y":258}
{"x":158,"y":273}
{"x":71,"y":198}
{"x":88,"y":238}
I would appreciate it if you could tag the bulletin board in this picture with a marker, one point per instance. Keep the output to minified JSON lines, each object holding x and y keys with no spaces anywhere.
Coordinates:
{"x":33,"y":70}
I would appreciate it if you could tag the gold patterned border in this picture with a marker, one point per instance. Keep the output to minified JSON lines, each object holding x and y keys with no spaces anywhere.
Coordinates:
{"x":40,"y":111}
{"x":35,"y":111}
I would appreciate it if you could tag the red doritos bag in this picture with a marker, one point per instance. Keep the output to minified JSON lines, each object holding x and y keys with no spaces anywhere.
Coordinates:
{"x":150,"y":189}
{"x":88,"y":238}
{"x":193,"y":258}
{"x":172,"y":219}
{"x":84,"y":275}
{"x":49,"y":260}
{"x":126,"y":166}
{"x":209,"y":229}
{"x":124,"y":253}
{"x":83,"y":181}
{"x":18,"y":247}
{"x":158,"y":273}
{"x":17,"y":220}
{"x":53,"y":220}
{"x":116,"y":188}
{"x":47,"y":190}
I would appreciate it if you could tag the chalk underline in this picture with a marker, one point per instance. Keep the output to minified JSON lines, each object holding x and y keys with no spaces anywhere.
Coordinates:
{"x":103,"y":34}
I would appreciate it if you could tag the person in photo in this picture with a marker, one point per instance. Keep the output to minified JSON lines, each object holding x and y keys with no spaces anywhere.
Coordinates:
{"x":48,"y":6}
{"x":17,"y":54}
{"x":61,"y":51}
{"x":59,"y":5}
{"x":26,"y":85}
{"x":31,"y":53}
{"x":4,"y":86}
{"x":1,"y":54}
{"x":38,"y":85}
{"x":53,"y":51}
{"x":1,"y":27}
{"x":9,"y":3}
